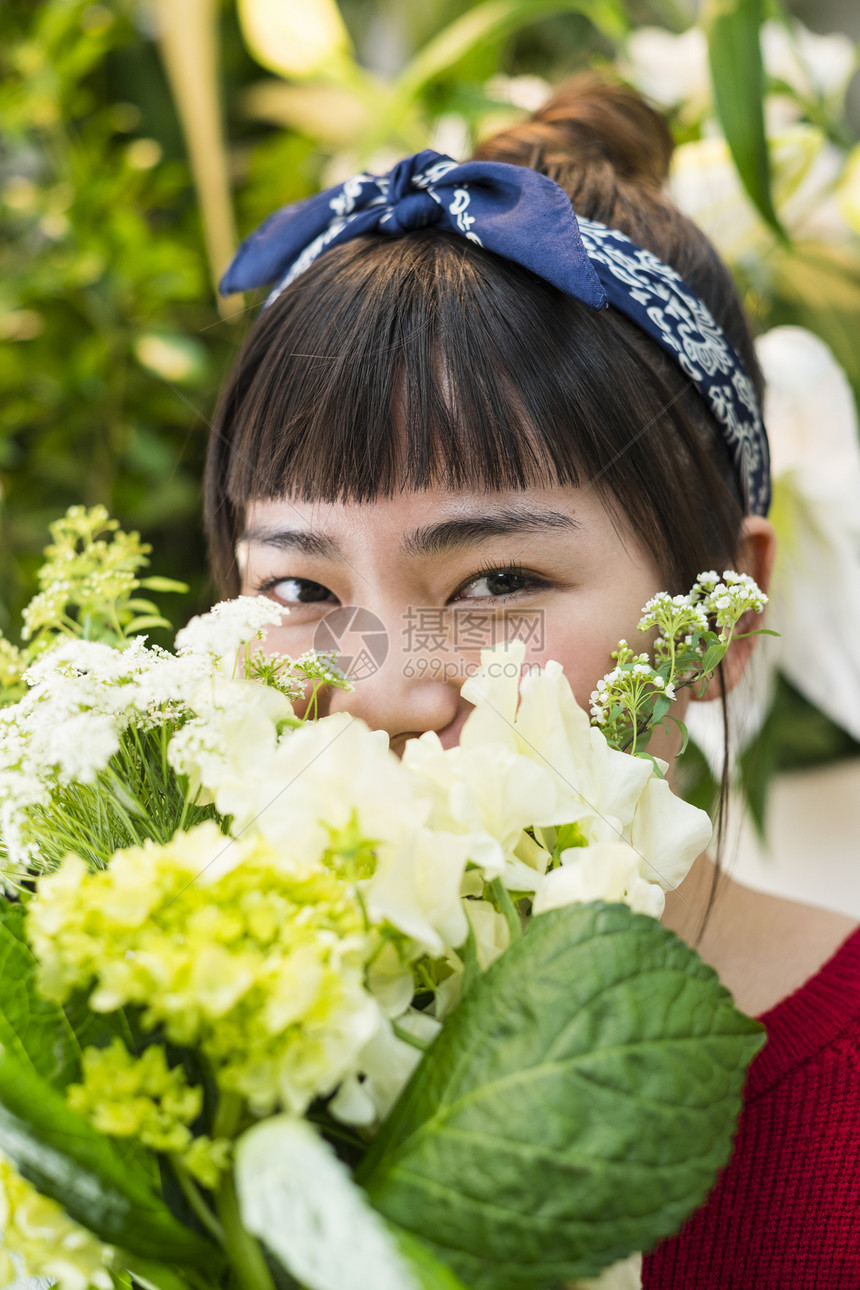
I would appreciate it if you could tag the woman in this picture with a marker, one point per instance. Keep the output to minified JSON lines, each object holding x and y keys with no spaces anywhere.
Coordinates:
{"x":448,"y":428}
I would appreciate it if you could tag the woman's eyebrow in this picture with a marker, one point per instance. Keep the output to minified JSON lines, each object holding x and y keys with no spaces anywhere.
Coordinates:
{"x":429,"y":539}
{"x":308,"y":541}
{"x":465,"y":530}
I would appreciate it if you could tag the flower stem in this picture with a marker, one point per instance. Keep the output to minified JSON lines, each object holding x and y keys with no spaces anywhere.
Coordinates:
{"x":243,"y":1250}
{"x":228,"y":1115}
{"x":508,"y":908}
{"x":421,"y":1044}
{"x":196,"y":1201}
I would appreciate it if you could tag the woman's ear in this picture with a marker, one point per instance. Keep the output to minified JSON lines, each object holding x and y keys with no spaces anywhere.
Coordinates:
{"x":756,"y":554}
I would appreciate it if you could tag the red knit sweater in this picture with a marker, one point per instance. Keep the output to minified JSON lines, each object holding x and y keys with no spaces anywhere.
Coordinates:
{"x":785,"y":1213}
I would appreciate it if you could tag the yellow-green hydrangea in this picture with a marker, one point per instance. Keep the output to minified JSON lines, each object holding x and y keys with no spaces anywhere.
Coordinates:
{"x":256,"y":960}
{"x":144,"y":1098}
{"x":45,"y":1240}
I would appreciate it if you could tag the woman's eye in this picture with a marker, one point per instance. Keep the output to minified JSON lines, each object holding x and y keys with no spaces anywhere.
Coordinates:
{"x":296,"y":591}
{"x":494,"y":583}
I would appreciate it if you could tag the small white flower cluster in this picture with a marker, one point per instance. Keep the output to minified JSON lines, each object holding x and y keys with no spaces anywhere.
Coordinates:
{"x":673,"y":616}
{"x":628,"y":684}
{"x":728,"y":600}
{"x":633,"y":697}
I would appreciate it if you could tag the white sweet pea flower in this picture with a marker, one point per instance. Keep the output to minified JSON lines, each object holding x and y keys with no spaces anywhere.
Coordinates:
{"x":814,"y":604}
{"x":331,"y":777}
{"x":487,"y":792}
{"x":667,"y":834}
{"x":602,"y":871}
{"x":492,"y":937}
{"x":599,"y":784}
{"x":815,"y":596}
{"x":612,"y":797}
{"x":416,"y":888}
{"x":492,"y":934}
{"x":327,"y":774}
{"x":386,"y":1063}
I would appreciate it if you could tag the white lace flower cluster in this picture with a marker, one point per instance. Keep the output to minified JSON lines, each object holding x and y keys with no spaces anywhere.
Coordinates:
{"x":89,"y":704}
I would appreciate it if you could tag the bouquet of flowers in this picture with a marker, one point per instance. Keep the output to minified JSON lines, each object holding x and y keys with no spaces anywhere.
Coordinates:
{"x":280,"y":1009}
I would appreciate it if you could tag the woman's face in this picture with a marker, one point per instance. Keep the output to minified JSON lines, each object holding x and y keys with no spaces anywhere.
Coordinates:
{"x":444,"y":573}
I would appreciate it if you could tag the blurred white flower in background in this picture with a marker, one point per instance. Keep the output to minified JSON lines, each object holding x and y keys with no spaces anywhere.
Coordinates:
{"x":811,"y":418}
{"x":805,"y":169}
{"x":673,"y":69}
{"x":815,"y":190}
{"x":814,"y":66}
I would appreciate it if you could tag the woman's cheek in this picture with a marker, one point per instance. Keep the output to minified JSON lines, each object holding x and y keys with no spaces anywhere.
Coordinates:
{"x":584,"y":653}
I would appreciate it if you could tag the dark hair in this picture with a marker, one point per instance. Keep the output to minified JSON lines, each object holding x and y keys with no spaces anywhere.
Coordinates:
{"x":401,"y":362}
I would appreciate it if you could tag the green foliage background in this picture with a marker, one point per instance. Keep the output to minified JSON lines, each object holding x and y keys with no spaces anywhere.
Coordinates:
{"x":102,"y":249}
{"x":112,"y":345}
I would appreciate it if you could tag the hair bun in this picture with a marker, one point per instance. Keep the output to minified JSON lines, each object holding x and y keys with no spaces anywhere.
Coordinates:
{"x":591,"y":125}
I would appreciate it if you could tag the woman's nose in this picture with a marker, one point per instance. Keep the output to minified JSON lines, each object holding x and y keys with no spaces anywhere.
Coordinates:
{"x":401,"y":683}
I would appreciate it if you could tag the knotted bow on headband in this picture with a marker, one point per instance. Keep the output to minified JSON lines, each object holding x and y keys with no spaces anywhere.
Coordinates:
{"x":525,"y":217}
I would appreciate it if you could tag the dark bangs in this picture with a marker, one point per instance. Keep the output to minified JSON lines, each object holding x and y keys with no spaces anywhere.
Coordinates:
{"x":398,"y":363}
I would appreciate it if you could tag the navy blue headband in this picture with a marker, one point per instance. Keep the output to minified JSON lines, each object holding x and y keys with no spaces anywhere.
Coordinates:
{"x":526,"y":217}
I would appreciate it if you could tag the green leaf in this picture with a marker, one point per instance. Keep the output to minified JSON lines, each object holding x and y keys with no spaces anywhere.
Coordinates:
{"x":576,"y":1106}
{"x":36,"y":1031}
{"x":734,"y":53}
{"x":685,"y":736}
{"x":431,"y":1272}
{"x":662,"y":705}
{"x":566,"y":836}
{"x":66,"y":1159}
{"x":713,"y":657}
{"x":145,"y":621}
{"x":156,"y":583}
{"x":491,"y":20}
{"x":141,"y":606}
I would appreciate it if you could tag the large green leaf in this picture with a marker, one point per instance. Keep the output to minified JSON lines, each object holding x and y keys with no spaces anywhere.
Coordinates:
{"x":36,"y":1031}
{"x":734,"y":53}
{"x":66,"y":1159}
{"x":575,"y":1107}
